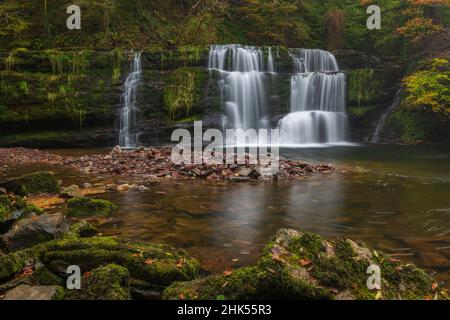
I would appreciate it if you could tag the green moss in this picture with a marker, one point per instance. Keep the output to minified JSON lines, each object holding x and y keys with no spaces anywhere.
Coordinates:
{"x":242,"y":284}
{"x":182,"y":93}
{"x":35,"y":183}
{"x":82,"y":229}
{"x":110,"y":282}
{"x":85,"y":207}
{"x":362,"y":87}
{"x":44,"y":277}
{"x":413,"y":127}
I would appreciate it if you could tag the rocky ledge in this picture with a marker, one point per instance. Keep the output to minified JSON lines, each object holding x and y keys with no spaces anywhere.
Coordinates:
{"x":157,"y":162}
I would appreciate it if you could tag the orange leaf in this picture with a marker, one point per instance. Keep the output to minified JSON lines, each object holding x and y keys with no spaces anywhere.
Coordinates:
{"x":87,"y":274}
{"x":180,"y":263}
{"x":148,"y":261}
{"x":228,"y":272}
{"x":182,"y":297}
{"x":304,"y":262}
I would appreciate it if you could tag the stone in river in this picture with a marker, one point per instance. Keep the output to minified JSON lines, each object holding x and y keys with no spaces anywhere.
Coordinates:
{"x":26,"y":292}
{"x":26,"y":233}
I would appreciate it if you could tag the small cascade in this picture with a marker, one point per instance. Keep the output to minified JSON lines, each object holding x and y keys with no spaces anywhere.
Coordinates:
{"x":317,"y":102}
{"x":128,"y":139}
{"x":242,"y":75}
{"x":313,"y":60}
{"x":270,"y":62}
{"x":376,"y":138}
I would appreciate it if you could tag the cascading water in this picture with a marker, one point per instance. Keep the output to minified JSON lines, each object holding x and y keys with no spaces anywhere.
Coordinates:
{"x":317,"y":103}
{"x":128,"y":139}
{"x":242,"y":75}
{"x":317,"y":100}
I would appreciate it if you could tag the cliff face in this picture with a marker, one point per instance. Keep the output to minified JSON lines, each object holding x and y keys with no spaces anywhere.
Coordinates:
{"x":73,"y":98}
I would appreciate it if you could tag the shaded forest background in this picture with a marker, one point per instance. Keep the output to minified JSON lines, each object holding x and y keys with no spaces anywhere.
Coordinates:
{"x":328,"y":24}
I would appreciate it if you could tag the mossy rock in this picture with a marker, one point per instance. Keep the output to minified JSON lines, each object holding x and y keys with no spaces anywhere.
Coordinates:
{"x":35,"y":183}
{"x":242,"y":284}
{"x":110,"y":282}
{"x":44,"y":277}
{"x":85,"y":207}
{"x":155,"y":264}
{"x":13,"y":208}
{"x":82,"y":229}
{"x":304,"y":266}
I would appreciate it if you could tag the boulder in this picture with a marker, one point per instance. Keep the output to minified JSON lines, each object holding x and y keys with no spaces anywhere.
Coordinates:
{"x":35,"y":183}
{"x":110,"y":282}
{"x":154,"y":265}
{"x":72,"y":191}
{"x":83,"y":229}
{"x":13,"y":208}
{"x":86,"y":207}
{"x":28,"y":232}
{"x":296,"y":265}
{"x":26,"y":292}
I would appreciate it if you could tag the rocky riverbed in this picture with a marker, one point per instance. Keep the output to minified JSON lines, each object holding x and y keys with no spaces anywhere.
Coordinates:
{"x":156,"y":162}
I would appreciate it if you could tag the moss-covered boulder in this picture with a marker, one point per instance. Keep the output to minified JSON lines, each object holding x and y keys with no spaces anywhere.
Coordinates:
{"x":110,"y":282}
{"x":85,"y":207}
{"x":35,"y":183}
{"x":296,"y":265}
{"x":82,"y":229}
{"x":153,"y":264}
{"x":241,"y":284}
{"x":13,"y":208}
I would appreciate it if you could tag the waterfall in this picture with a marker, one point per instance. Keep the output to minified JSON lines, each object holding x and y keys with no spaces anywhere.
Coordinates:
{"x":317,"y":97}
{"x":242,"y":77}
{"x":317,"y":103}
{"x":128,"y":112}
{"x":383,"y":120}
{"x":313,"y":60}
{"x":270,"y":62}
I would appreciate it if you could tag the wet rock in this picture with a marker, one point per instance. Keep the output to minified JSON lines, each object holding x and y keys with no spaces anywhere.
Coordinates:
{"x":72,"y":191}
{"x":86,"y":207}
{"x":239,"y":179}
{"x":28,"y":232}
{"x":123,"y":187}
{"x":155,"y":264}
{"x":296,"y":265}
{"x":35,"y":183}
{"x":245,"y":172}
{"x":26,"y":292}
{"x":110,"y":282}
{"x":83,"y":229}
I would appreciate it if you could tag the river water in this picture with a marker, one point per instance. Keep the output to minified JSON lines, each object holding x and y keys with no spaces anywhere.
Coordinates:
{"x":394,"y":198}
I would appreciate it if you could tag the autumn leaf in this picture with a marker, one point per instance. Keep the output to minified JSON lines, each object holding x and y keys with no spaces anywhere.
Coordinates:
{"x":304,"y":262}
{"x":228,"y":272}
{"x":182,"y":297}
{"x":87,"y":274}
{"x":180,"y":263}
{"x":149,"y":261}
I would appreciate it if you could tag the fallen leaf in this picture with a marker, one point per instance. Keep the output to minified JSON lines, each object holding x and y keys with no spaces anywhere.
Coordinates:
{"x":180,"y":263}
{"x":182,"y":297}
{"x":228,"y":272}
{"x":304,"y":262}
{"x":87,"y":274}
{"x":148,"y":261}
